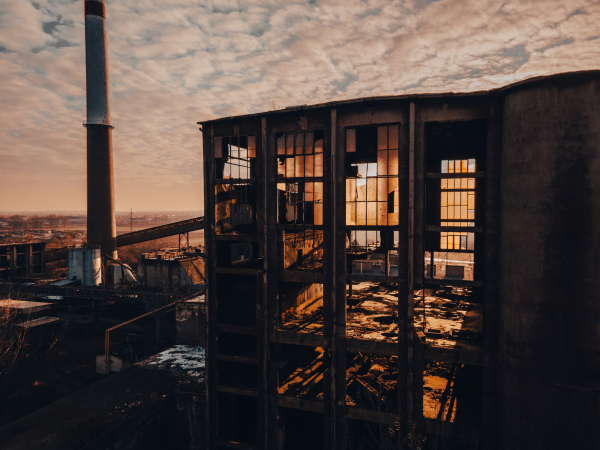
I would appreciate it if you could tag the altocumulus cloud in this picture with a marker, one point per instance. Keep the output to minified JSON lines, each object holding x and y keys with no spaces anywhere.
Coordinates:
{"x":173,"y":63}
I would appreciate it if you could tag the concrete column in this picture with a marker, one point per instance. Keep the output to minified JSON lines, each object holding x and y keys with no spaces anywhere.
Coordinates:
{"x":549,"y":306}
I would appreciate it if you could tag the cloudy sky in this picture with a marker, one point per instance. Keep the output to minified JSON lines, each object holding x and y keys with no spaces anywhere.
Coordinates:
{"x":173,"y":63}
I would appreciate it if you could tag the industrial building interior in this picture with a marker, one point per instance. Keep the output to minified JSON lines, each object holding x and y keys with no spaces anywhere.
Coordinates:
{"x":359,"y":274}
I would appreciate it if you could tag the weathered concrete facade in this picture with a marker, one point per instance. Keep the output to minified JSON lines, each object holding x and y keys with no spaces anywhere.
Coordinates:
{"x":452,"y":236}
{"x":172,"y":270}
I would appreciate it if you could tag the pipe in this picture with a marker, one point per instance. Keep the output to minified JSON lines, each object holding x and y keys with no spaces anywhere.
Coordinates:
{"x":107,"y":333}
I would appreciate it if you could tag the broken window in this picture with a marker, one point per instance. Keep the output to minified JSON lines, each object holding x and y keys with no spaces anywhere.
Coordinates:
{"x":449,"y":265}
{"x":372,"y":252}
{"x":300,"y":203}
{"x":235,"y":157}
{"x":300,"y":173}
{"x":372,"y":197}
{"x":238,"y":254}
{"x":235,"y":205}
{"x":235,"y":208}
{"x":300,"y":154}
{"x":455,"y":159}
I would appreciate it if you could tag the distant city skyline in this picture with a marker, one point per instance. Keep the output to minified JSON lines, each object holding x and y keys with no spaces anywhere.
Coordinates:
{"x":174,"y":63}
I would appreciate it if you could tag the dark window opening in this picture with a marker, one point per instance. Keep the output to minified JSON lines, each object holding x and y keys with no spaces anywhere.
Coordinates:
{"x":237,"y":299}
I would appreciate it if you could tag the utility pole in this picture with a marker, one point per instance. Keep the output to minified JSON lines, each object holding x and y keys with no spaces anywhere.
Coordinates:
{"x":131,"y":219}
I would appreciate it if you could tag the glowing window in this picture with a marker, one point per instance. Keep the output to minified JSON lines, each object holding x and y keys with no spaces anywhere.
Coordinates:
{"x":372,"y":196}
{"x":457,"y":205}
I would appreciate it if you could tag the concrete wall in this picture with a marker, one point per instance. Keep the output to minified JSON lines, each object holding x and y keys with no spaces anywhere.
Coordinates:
{"x":549,"y":337}
{"x":302,"y":247}
{"x":300,"y":296}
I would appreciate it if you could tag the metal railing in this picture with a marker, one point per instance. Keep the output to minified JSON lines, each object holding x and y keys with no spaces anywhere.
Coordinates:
{"x":107,"y":334}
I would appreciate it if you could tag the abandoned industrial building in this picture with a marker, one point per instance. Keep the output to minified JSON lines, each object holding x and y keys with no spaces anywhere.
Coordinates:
{"x":388,"y":271}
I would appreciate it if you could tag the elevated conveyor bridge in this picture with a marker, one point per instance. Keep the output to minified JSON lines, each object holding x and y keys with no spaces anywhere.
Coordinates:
{"x":148,"y":234}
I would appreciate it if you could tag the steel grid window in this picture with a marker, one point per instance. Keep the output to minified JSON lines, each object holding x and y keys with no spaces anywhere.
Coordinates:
{"x":235,"y":154}
{"x":457,"y":206}
{"x":300,"y":157}
{"x":372,"y":197}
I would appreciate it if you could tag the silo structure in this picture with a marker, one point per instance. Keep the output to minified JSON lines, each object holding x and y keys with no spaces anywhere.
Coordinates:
{"x":85,"y":265}
{"x":101,"y":225}
{"x":549,"y":322}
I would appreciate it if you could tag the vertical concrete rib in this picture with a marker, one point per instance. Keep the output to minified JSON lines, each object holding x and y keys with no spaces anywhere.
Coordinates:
{"x":490,"y":287}
{"x":339,"y":281}
{"x":211,"y":289}
{"x":329,"y":377}
{"x":101,"y":225}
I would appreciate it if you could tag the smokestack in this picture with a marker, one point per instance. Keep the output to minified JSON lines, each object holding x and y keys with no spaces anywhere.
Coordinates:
{"x":101,"y":225}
